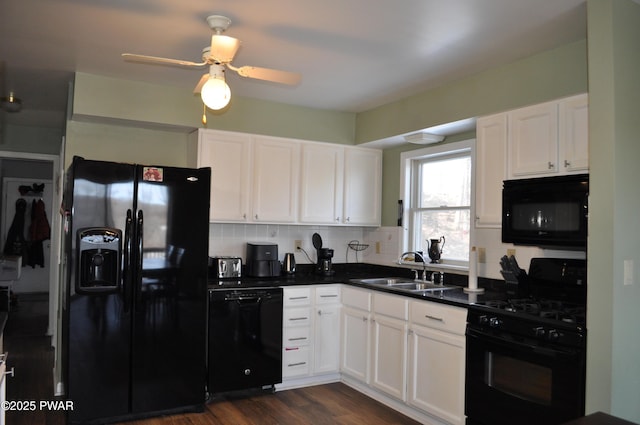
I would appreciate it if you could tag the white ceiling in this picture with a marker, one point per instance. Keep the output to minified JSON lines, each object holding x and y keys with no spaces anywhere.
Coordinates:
{"x":353,"y":54}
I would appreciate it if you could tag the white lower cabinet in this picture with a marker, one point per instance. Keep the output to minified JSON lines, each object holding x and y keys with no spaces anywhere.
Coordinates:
{"x":389,"y":344}
{"x":356,"y":333}
{"x":326,"y":335}
{"x":405,"y":352}
{"x":311,"y":337}
{"x":437,"y":360}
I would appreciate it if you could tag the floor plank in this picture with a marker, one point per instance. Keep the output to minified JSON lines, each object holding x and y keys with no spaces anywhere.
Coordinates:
{"x":32,"y":356}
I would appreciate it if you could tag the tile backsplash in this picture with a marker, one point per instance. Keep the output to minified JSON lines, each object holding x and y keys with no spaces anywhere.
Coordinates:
{"x":231,"y":239}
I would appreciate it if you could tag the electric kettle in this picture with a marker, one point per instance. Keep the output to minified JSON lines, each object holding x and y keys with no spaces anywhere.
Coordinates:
{"x":289,"y":263}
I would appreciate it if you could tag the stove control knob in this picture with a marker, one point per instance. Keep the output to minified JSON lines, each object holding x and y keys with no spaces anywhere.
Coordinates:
{"x":495,"y":322}
{"x":483,"y":320}
{"x":539,"y":331}
{"x":553,"y":335}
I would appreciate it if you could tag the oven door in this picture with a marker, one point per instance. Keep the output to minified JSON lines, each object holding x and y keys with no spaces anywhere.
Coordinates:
{"x":514,"y":381}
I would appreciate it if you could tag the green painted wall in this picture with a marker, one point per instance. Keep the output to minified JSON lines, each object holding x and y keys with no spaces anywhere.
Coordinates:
{"x":549,"y":75}
{"x":613,"y":364}
{"x":101,"y":99}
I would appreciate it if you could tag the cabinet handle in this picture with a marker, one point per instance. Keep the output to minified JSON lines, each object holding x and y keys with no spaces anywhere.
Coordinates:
{"x":256,"y":216}
{"x":298,"y":298}
{"x":347,"y":219}
{"x":567,"y":163}
{"x":337,"y":218}
{"x":551,"y":165}
{"x":244,"y":216}
{"x":298,"y":318}
{"x":319,"y":312}
{"x":439,"y":319}
{"x":296,"y":364}
{"x":301,"y":338}
{"x":364,"y":318}
{"x":329,"y":296}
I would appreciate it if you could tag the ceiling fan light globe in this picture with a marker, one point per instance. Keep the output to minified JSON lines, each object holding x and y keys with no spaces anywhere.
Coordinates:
{"x":215,"y":93}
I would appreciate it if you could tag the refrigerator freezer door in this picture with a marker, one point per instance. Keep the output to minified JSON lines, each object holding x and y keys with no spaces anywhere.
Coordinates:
{"x":98,"y":326}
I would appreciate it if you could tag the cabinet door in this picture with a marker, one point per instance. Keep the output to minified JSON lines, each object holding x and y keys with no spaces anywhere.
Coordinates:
{"x":275,"y":180}
{"x":436,"y":373}
{"x":229,"y":156}
{"x":574,"y":134}
{"x":362,"y":186}
{"x":533,"y":132}
{"x":321,"y":185}
{"x":389,"y":348}
{"x":491,"y":169}
{"x":355,"y":343}
{"x":327,"y":339}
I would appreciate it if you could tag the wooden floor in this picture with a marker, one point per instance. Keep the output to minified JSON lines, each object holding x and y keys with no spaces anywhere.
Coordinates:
{"x":31,"y":355}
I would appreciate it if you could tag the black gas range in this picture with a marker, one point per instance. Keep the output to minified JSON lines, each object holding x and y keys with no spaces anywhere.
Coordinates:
{"x":526,"y":353}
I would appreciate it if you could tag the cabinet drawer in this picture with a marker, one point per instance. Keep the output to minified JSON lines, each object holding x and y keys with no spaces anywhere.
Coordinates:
{"x":296,"y":362}
{"x":296,"y":336}
{"x":439,"y":316}
{"x":356,"y":298}
{"x":327,"y":294}
{"x":296,"y":296}
{"x":296,"y":316}
{"x":391,"y":305}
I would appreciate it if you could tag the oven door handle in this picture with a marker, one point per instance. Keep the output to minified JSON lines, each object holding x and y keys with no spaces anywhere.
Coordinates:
{"x":484,"y":337}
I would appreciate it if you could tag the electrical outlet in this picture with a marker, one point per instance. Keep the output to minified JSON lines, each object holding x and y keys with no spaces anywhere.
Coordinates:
{"x":482,"y":255}
{"x":377,"y":247}
{"x":511,"y":251}
{"x":298,"y":244}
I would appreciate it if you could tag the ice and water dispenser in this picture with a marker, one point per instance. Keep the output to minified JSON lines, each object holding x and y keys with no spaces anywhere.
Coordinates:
{"x":99,"y":252}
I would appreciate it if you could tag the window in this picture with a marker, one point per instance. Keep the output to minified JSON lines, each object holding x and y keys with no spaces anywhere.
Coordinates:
{"x":438,"y":186}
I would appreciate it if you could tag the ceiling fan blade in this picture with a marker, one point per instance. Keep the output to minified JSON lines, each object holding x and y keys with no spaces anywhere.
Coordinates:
{"x":282,"y":77}
{"x":160,"y":61}
{"x":198,"y":87}
{"x":223,"y":48}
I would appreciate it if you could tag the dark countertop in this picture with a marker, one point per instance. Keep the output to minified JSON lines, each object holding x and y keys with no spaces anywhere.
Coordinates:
{"x":345,"y":273}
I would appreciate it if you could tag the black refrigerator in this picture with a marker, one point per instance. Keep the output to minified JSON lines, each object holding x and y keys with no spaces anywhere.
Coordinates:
{"x":135,"y":311}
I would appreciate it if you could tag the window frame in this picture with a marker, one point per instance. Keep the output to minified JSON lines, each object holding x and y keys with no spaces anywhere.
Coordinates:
{"x":408,"y":194}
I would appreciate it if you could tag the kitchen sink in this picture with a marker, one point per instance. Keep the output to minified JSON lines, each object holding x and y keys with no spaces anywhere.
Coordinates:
{"x":404,"y":284}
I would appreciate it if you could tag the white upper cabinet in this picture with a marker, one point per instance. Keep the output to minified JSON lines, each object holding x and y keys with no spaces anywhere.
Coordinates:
{"x":550,"y":138}
{"x":275,"y":180}
{"x":533,"y":135}
{"x":264,"y":179}
{"x":491,"y":169}
{"x":322,"y":181}
{"x":574,"y":134}
{"x":542,"y":140}
{"x":362,"y":186}
{"x":229,"y":156}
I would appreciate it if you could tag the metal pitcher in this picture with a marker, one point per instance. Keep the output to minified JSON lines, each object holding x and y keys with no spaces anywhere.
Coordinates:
{"x":435,"y":248}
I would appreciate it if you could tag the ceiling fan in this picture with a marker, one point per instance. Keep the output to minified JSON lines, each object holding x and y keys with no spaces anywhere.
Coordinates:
{"x":218,"y":56}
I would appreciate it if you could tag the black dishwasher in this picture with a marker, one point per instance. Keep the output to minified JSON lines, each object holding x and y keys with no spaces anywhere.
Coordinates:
{"x":245,"y":339}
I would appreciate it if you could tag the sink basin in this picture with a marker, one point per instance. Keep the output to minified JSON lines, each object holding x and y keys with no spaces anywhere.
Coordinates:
{"x":405,"y":284}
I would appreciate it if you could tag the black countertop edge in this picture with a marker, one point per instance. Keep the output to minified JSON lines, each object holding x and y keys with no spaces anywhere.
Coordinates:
{"x":348,"y":272}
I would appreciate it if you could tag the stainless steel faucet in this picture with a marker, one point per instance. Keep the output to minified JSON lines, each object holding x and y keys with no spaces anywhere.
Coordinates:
{"x":424,"y":263}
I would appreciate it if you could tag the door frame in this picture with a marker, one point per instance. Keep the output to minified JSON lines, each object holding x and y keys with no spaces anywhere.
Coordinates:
{"x":55,"y":224}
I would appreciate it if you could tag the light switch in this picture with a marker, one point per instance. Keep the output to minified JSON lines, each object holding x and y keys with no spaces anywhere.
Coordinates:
{"x":628,"y":272}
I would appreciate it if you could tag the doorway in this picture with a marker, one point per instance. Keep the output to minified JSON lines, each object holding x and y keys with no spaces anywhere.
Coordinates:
{"x":38,"y":169}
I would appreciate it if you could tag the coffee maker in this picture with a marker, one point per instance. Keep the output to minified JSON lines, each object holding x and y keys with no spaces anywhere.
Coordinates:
{"x":324,"y":261}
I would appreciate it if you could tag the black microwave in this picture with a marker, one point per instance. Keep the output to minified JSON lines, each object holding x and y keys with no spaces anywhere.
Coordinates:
{"x":546,"y":211}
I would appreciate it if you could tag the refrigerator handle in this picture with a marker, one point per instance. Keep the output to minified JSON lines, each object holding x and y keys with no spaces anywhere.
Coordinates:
{"x":126,"y":276}
{"x":138,"y":265}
